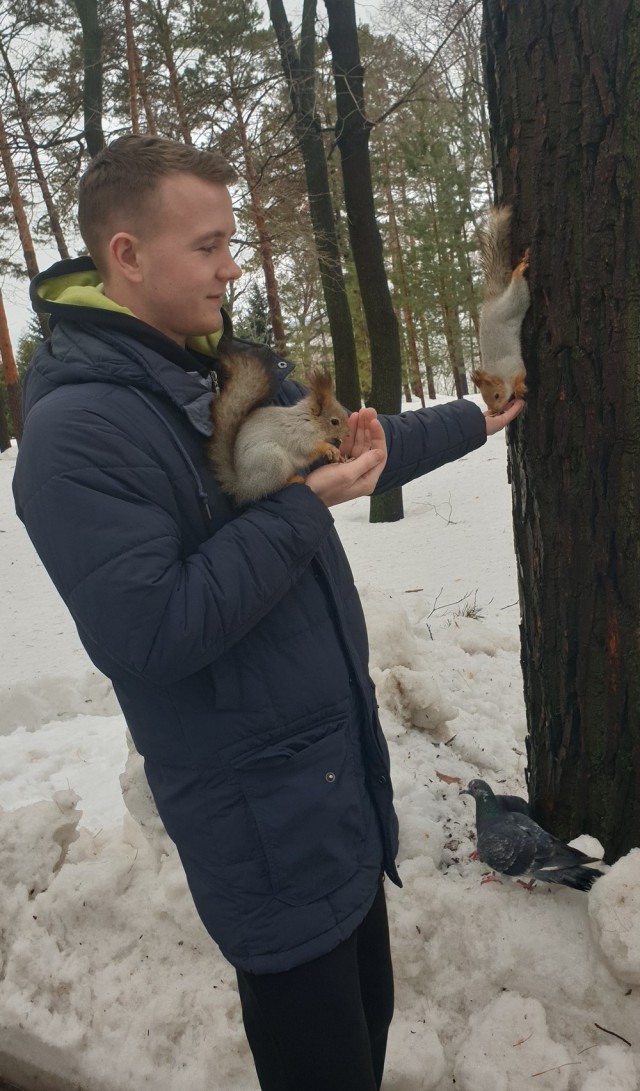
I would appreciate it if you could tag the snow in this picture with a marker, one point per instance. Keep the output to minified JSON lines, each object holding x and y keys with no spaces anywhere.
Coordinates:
{"x":108,"y":980}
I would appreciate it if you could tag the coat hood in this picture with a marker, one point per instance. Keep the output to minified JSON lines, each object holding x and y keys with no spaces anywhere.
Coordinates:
{"x":94,"y":339}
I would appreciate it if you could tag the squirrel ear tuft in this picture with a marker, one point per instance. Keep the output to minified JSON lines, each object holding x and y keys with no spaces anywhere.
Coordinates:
{"x":478,"y":377}
{"x":321,"y":387}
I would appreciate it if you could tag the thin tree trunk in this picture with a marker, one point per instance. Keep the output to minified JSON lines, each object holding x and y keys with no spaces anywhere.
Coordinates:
{"x":450,"y":316}
{"x":92,"y":94}
{"x":565,"y":121}
{"x":23,"y":114}
{"x":10,"y":373}
{"x":264,"y":239}
{"x":17,"y":203}
{"x":164,"y":37}
{"x":300,"y":74}
{"x":352,"y":137}
{"x":131,"y":68}
{"x":428,"y":366}
{"x":141,"y":82}
{"x":462,"y":256}
{"x":20,"y":216}
{"x":5,"y":443}
{"x":407,"y":313}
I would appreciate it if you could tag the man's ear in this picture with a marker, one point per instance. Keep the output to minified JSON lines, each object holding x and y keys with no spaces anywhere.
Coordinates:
{"x":123,"y":257}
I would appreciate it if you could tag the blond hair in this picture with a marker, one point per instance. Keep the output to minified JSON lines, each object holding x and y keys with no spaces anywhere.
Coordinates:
{"x":119,"y":180}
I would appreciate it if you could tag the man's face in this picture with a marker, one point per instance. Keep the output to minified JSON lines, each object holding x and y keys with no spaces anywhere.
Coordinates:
{"x":183,"y":259}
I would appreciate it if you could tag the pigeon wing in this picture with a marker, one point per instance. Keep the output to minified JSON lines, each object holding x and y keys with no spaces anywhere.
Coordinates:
{"x":508,"y":844}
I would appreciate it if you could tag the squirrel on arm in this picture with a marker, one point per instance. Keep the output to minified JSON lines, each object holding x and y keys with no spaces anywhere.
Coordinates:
{"x":506,"y":301}
{"x":257,"y":448}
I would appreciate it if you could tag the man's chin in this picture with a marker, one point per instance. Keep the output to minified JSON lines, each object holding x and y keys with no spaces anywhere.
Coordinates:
{"x":209,"y":330}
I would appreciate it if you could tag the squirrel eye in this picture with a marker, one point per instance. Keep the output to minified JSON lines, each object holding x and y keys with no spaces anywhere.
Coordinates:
{"x":334,"y":421}
{"x":496,"y":396}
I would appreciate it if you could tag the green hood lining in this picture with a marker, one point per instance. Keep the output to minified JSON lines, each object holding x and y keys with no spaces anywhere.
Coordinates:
{"x":83,"y":289}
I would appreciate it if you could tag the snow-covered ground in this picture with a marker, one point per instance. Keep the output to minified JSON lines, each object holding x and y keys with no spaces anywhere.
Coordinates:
{"x":108,"y":980}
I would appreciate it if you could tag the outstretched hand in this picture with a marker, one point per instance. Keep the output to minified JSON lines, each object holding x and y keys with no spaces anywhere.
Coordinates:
{"x":501,"y":420}
{"x":366,"y":448}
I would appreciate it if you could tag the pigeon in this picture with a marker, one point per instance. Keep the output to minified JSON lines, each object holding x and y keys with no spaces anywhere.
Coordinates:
{"x":510,"y":842}
{"x":514,"y":803}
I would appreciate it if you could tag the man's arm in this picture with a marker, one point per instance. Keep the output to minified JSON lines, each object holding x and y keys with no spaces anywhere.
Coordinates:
{"x":107,"y":529}
{"x":423,"y":440}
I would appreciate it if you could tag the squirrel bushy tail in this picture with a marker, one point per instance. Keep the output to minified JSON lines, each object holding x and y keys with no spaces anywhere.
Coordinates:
{"x":253,"y":386}
{"x":495,"y":251}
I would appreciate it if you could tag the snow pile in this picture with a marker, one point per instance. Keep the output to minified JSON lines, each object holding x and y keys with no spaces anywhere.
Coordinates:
{"x":107,"y":978}
{"x":614,"y":909}
{"x":509,"y":1045}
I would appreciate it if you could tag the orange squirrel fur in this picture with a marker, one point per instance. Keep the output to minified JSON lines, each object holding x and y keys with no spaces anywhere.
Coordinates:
{"x":258,"y":448}
{"x":506,"y":301}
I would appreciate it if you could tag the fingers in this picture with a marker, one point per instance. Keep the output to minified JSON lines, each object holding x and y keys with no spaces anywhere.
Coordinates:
{"x":501,"y":420}
{"x":359,"y":438}
{"x":337,"y":483}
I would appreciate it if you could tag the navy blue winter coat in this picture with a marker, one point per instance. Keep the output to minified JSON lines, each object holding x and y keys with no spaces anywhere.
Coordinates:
{"x":236,"y":643}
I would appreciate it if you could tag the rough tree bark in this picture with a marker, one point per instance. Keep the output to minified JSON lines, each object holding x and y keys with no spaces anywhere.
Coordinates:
{"x":564,"y":97}
{"x":352,"y":138}
{"x":299,"y":70}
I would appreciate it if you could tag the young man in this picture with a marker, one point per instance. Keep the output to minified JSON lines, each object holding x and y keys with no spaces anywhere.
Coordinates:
{"x":234,"y":640}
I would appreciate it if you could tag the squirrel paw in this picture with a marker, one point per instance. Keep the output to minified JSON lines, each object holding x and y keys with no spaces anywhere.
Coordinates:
{"x":331,"y":453}
{"x":522,"y":269}
{"x":519,"y":384}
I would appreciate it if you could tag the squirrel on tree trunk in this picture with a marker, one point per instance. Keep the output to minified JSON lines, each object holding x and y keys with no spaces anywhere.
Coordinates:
{"x":506,"y":301}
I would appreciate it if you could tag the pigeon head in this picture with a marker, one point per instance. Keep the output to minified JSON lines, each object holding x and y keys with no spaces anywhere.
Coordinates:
{"x":479,"y":789}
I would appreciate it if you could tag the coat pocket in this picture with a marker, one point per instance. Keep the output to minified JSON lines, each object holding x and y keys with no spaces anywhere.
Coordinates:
{"x":310,"y":811}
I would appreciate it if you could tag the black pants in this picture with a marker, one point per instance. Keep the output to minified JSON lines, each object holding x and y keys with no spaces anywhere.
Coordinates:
{"x":323,"y":1026}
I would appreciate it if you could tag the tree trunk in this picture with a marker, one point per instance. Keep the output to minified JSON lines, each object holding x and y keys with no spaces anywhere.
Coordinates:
{"x":10,"y":374}
{"x":428,"y":364}
{"x":264,"y":239}
{"x":352,"y":137}
{"x":164,"y":37}
{"x":20,"y":216}
{"x":449,"y":308}
{"x":300,"y":73}
{"x":564,"y":99}
{"x":141,"y":83}
{"x":5,"y":443}
{"x":407,"y":312}
{"x":92,"y":94}
{"x":131,"y":68}
{"x":23,"y":114}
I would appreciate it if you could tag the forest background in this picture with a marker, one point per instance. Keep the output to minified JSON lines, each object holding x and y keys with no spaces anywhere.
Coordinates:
{"x":212,"y":74}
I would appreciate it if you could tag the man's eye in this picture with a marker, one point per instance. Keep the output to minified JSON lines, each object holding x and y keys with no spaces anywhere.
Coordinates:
{"x":207,"y":249}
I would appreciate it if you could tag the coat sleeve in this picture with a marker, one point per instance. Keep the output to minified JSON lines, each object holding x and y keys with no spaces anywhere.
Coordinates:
{"x":423,"y":440}
{"x":108,"y":532}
